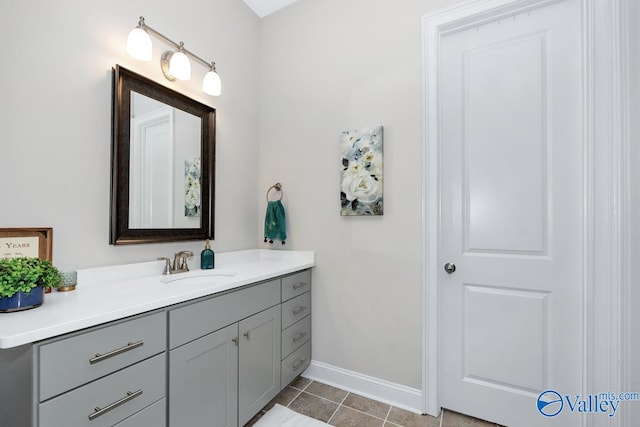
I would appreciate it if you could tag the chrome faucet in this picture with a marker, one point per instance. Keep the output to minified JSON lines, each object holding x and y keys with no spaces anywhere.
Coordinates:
{"x":179,"y":262}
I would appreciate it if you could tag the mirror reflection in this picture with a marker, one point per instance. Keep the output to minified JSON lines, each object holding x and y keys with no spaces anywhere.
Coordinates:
{"x":165,"y":166}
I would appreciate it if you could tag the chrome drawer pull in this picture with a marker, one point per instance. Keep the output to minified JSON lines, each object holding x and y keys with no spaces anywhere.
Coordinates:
{"x":299,"y":337}
{"x":299,"y":310}
{"x":299,"y":364}
{"x":130,"y":346}
{"x":300,"y":285}
{"x":101,"y":411}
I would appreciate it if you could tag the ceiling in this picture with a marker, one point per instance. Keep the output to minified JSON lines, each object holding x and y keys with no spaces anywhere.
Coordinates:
{"x":263,"y":8}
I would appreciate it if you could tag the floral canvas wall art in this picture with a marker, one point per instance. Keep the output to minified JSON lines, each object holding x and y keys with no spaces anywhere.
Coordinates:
{"x":361,"y":176}
{"x":192,"y":187}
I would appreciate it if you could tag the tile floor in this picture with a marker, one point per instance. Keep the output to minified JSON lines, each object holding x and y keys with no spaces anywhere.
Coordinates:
{"x":343,"y":409}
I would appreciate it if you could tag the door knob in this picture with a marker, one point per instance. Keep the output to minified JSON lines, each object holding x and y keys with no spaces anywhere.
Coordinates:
{"x":449,"y":267}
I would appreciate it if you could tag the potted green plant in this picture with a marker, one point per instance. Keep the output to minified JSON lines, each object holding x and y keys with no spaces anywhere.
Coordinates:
{"x":23,"y":281}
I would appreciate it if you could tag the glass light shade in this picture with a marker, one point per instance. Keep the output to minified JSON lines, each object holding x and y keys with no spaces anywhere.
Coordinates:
{"x":179,"y":66}
{"x":211,"y":84}
{"x":139,"y":44}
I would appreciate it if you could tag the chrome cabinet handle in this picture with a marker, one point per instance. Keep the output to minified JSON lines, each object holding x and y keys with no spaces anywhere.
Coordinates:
{"x":299,"y":337}
{"x":247,"y":335}
{"x":300,"y":285}
{"x":235,"y":341}
{"x":101,"y":411}
{"x":130,"y":346}
{"x":299,"y":310}
{"x":299,"y":364}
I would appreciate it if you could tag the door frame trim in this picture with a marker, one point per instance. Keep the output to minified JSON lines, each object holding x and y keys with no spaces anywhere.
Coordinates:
{"x":606,"y":279}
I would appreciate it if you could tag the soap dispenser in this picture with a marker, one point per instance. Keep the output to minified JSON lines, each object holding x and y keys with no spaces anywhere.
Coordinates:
{"x":207,"y":257}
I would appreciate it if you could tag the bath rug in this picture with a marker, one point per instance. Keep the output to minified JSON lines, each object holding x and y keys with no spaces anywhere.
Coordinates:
{"x":279,"y":416}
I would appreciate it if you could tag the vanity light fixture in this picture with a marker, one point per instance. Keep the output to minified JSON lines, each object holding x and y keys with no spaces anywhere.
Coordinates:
{"x":211,"y":83}
{"x":174,"y":64}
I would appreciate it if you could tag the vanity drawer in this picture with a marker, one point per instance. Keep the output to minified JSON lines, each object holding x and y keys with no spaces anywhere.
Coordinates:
{"x":295,"y":309}
{"x":295,"y":364}
{"x":296,"y":335}
{"x":296,"y":284}
{"x":152,"y":416}
{"x":110,"y":399}
{"x":203,"y":317}
{"x":70,"y":362}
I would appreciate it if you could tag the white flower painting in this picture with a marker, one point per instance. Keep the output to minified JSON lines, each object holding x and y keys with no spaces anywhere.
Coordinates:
{"x":361,"y":165}
{"x":192,"y":187}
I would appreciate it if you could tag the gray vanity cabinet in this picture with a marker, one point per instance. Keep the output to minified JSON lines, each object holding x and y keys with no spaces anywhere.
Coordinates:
{"x":203,"y":384}
{"x":214,"y":361}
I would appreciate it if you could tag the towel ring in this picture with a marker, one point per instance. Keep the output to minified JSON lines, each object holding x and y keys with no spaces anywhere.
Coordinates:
{"x":278,"y":187}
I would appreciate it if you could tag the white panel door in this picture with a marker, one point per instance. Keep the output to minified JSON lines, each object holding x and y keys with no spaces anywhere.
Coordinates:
{"x":152,"y":171}
{"x":511,"y":210}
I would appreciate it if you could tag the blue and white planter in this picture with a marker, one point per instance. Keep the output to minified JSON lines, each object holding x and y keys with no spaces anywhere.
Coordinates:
{"x":22,"y":301}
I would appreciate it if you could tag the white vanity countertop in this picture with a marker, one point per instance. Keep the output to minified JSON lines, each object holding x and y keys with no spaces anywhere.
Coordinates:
{"x":111,"y":293}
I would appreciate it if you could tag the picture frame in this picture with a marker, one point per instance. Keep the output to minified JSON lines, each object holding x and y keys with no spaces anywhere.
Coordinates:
{"x":361,"y":178}
{"x":26,"y":242}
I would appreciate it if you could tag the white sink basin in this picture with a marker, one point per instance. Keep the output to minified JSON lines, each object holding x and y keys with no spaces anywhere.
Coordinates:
{"x":200,"y":277}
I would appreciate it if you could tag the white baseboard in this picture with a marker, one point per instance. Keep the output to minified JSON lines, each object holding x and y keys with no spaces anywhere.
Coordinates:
{"x":374,"y":388}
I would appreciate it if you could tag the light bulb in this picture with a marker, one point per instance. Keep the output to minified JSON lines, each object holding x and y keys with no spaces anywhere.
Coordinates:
{"x":211,"y":84}
{"x":139,"y":44}
{"x":179,"y":65}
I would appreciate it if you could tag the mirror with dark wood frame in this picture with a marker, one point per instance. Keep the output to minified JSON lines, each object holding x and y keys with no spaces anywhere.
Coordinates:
{"x":162,"y":163}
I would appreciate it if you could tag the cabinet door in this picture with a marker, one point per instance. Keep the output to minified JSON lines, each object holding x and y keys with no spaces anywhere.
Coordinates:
{"x":203,"y":387}
{"x":259,"y":362}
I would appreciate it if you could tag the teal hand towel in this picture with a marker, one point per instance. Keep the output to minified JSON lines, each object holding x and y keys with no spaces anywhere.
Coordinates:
{"x":274,"y":224}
